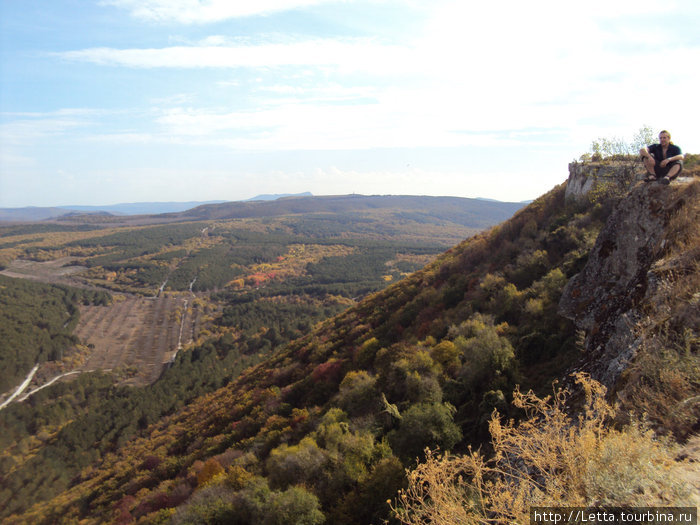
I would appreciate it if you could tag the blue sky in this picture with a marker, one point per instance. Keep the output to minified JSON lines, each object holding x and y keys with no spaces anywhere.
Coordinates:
{"x":112,"y":101}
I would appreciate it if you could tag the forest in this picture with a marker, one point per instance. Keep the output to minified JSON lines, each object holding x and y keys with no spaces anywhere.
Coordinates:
{"x":272,"y":279}
{"x":36,"y":324}
{"x":212,"y":255}
{"x":229,"y":258}
{"x":344,"y":409}
{"x":64,"y":428}
{"x":309,"y":406}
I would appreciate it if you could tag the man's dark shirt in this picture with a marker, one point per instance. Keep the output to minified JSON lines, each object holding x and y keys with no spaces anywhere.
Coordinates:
{"x":658,"y":152}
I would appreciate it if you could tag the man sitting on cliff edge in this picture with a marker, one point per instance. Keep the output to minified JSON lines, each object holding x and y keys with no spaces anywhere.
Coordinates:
{"x":663,"y":161}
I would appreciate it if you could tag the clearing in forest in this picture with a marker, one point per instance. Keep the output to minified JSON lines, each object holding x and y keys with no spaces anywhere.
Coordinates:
{"x":137,"y":334}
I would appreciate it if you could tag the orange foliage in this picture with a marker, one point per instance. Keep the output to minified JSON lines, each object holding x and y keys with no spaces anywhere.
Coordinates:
{"x":211,"y":469}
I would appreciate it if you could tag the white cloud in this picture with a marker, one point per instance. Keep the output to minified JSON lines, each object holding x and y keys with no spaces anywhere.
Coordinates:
{"x":486,"y":69}
{"x":24,"y":128}
{"x":348,"y":55}
{"x":552,"y":65}
{"x":206,"y":11}
{"x":171,"y":100}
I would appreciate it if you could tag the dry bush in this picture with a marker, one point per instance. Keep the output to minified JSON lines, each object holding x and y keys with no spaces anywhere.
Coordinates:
{"x":549,"y":459}
{"x":663,"y":385}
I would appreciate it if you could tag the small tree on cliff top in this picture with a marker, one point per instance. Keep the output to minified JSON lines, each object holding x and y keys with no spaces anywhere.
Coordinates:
{"x":615,"y":148}
{"x":624,"y":157}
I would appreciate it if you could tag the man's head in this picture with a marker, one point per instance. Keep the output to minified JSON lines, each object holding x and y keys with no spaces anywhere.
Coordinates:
{"x":665,"y":138}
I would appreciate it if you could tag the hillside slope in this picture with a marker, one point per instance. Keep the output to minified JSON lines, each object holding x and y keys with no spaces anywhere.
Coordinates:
{"x":324,"y":429}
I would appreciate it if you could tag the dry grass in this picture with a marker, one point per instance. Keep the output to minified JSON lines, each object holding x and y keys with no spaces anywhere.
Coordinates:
{"x":550,"y":459}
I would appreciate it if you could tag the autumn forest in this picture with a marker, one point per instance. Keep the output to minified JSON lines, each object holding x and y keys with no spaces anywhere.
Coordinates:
{"x":280,"y":369}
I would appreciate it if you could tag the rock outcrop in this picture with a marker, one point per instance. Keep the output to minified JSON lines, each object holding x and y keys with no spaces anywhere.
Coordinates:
{"x":622,"y":280}
{"x":584,"y":177}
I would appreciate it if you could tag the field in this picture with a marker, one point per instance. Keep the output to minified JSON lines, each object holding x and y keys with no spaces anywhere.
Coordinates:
{"x":137,"y":334}
{"x":58,"y":271}
{"x":134,"y":337}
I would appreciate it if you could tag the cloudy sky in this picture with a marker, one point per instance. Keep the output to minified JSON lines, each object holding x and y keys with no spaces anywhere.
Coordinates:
{"x":106,"y":101}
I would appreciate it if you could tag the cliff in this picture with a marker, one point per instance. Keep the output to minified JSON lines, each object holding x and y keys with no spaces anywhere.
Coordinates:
{"x":638,"y":292}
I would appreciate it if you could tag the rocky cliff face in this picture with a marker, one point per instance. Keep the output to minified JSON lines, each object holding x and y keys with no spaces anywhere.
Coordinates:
{"x":585,"y":177}
{"x":626,"y":280}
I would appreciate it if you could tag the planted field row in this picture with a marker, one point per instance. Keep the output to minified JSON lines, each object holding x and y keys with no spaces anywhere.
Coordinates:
{"x":136,"y":334}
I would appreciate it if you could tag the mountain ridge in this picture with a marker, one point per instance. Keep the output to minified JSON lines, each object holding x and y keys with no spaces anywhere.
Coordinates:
{"x":457,"y":209}
{"x":39,"y":213}
{"x":477,"y":213}
{"x":275,"y":196}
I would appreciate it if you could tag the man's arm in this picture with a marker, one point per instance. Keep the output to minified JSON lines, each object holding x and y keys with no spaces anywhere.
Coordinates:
{"x":668,"y":160}
{"x":673,"y":158}
{"x":644,"y":152}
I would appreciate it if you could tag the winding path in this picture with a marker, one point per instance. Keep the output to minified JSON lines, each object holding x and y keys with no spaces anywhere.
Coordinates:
{"x":50,"y":382}
{"x":21,"y":387}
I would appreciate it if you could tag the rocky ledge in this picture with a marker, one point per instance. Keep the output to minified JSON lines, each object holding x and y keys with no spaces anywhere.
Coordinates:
{"x":620,"y":285}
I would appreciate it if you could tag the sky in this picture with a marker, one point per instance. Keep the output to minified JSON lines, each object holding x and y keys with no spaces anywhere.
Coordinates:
{"x":111,"y":101}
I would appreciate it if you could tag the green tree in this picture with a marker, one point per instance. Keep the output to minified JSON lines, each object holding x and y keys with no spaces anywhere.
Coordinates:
{"x":289,"y":465}
{"x":618,"y":148}
{"x":358,"y":393}
{"x":425,"y":425}
{"x":295,"y":505}
{"x":485,"y":351}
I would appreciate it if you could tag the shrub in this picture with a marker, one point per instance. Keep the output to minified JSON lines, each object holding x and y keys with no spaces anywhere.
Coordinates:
{"x":425,"y":425}
{"x":288,"y":465}
{"x":238,"y":477}
{"x":211,"y":469}
{"x":447,"y":355}
{"x":367,"y":503}
{"x":549,"y":459}
{"x":485,"y":351}
{"x":212,"y":504}
{"x":294,"y":505}
{"x":358,"y":393}
{"x":411,"y":378}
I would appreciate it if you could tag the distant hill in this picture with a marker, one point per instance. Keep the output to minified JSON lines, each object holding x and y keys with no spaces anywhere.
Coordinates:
{"x":142,"y":208}
{"x":474,"y":213}
{"x":275,"y":196}
{"x":30,"y":213}
{"x":35,"y":213}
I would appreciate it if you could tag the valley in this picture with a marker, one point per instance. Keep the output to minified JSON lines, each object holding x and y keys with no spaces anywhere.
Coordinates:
{"x":110,"y":324}
{"x":168,"y":279}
